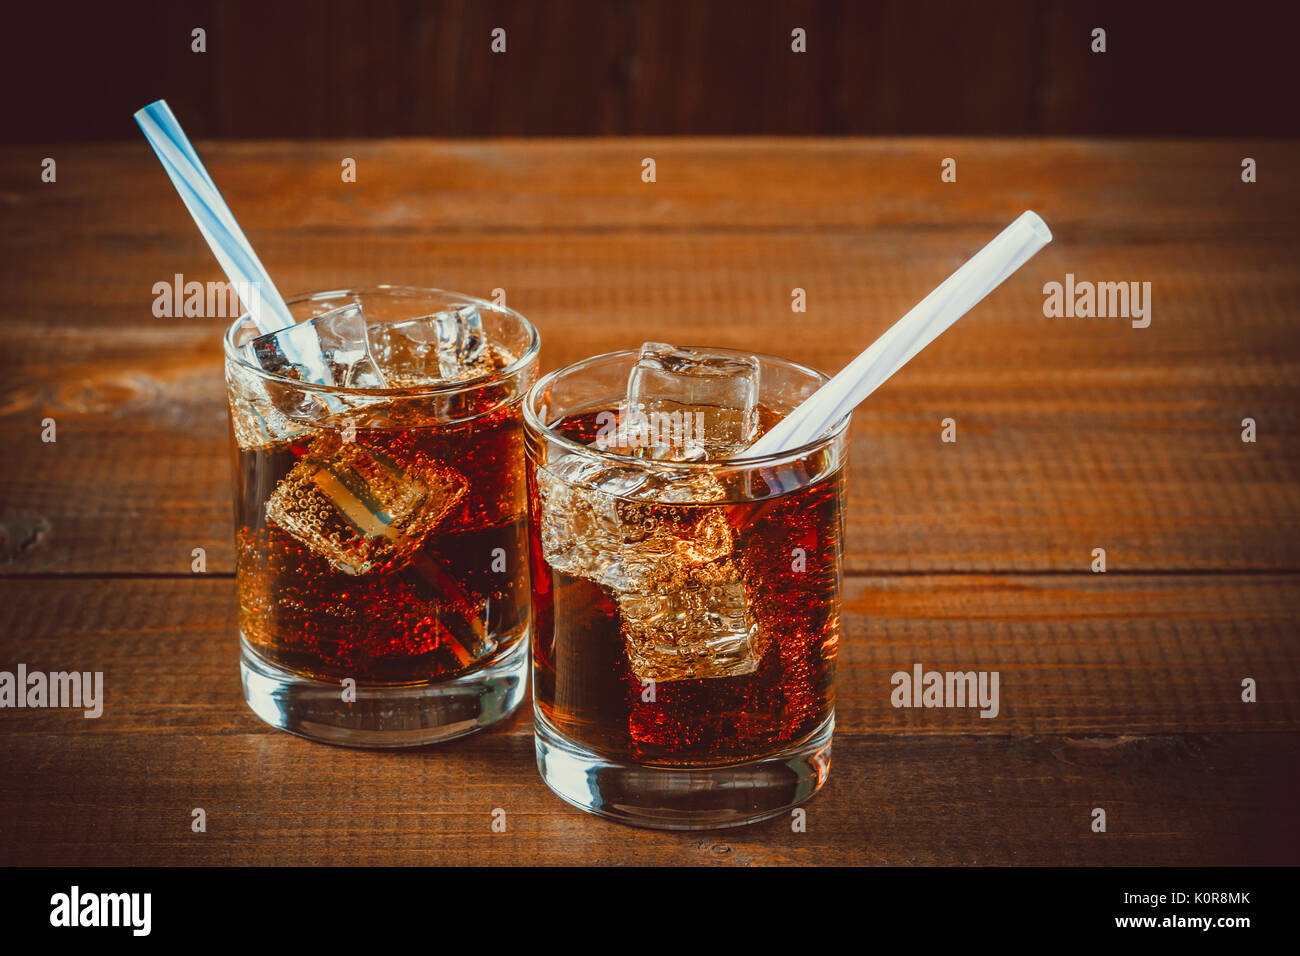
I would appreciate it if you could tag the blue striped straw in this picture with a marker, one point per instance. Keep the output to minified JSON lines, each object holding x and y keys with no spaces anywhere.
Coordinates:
{"x":215,"y":220}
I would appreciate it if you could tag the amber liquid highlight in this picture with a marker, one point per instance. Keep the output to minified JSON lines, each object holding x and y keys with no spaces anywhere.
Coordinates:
{"x":459,"y":602}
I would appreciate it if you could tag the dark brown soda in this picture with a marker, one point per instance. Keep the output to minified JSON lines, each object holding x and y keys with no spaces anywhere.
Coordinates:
{"x":459,"y":602}
{"x":583,"y":681}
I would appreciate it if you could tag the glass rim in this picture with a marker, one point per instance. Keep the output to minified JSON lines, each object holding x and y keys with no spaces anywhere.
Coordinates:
{"x":520,"y":364}
{"x":533,"y":423}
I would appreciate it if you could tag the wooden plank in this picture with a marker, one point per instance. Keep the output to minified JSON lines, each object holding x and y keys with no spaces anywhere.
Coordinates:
{"x":1072,"y":433}
{"x":270,"y":799}
{"x":1076,"y":654}
{"x":1089,"y":190}
{"x":1101,"y":654}
{"x":1116,"y":691}
{"x":581,"y":67}
{"x":1119,"y":690}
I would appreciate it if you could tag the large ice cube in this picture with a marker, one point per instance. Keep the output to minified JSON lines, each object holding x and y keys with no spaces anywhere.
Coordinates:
{"x":357,"y":508}
{"x":336,"y":338}
{"x":665,"y":525}
{"x":445,"y":346}
{"x":607,"y":523}
{"x":693,"y":404}
{"x":580,"y":527}
{"x":257,"y":420}
{"x":461,"y":616}
{"x":328,"y":349}
{"x":693,"y":624}
{"x":665,"y":551}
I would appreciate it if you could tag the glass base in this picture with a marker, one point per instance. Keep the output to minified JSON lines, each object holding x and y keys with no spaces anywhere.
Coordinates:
{"x":696,"y":798}
{"x":408,"y":715}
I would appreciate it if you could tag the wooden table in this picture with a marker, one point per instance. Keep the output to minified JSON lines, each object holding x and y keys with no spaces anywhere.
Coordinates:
{"x":1120,"y":690}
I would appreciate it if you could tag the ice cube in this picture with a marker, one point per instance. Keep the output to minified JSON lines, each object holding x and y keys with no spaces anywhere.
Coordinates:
{"x":461,"y":616}
{"x":359,"y":509}
{"x":609,"y":523}
{"x":258,"y":422}
{"x":580,"y":526}
{"x":444,"y":346}
{"x":329,"y":349}
{"x":259,"y":425}
{"x":692,"y":403}
{"x":423,"y":610}
{"x":693,"y":624}
{"x":658,"y":536}
{"x":689,"y":616}
{"x":666,"y":552}
{"x":615,"y":525}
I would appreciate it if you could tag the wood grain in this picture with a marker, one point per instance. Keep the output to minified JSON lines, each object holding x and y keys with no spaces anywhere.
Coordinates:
{"x":1089,"y":191}
{"x":1122,"y":693}
{"x":271,"y":799}
{"x":1119,"y":690}
{"x":1129,"y":438}
{"x":1091,"y":654}
{"x":592,"y":67}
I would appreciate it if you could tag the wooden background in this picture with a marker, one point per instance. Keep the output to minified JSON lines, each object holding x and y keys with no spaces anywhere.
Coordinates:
{"x":292,"y":69}
{"x":1119,"y":690}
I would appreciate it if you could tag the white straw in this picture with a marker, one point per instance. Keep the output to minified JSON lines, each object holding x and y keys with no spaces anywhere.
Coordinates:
{"x":215,"y":220}
{"x":932,"y":316}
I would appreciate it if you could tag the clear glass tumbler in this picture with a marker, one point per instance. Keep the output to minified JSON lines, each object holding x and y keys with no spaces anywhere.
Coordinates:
{"x":381,"y":539}
{"x":685,"y":613}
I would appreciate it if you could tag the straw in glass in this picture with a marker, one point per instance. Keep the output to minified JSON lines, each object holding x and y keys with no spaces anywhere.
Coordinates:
{"x":233,"y":251}
{"x":933,"y":315}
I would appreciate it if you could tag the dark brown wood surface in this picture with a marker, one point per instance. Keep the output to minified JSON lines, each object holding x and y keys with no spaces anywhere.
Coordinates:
{"x":1119,"y":690}
{"x":306,"y":69}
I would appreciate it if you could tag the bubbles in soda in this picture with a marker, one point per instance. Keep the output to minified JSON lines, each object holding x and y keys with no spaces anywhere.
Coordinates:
{"x":379,"y":537}
{"x":685,"y":616}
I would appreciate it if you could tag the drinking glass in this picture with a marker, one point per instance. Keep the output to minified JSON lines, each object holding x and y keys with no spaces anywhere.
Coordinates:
{"x":686,"y":613}
{"x":381,"y":555}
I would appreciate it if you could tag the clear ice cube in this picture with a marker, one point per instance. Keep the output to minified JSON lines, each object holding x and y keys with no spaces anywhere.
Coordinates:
{"x":693,"y":404}
{"x":580,"y":526}
{"x":257,"y":420}
{"x":460,"y":616}
{"x":329,"y":349}
{"x":694,"y":624}
{"x":603,"y":522}
{"x":359,"y":509}
{"x":658,"y":537}
{"x":444,"y":346}
{"x":681,"y":596}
